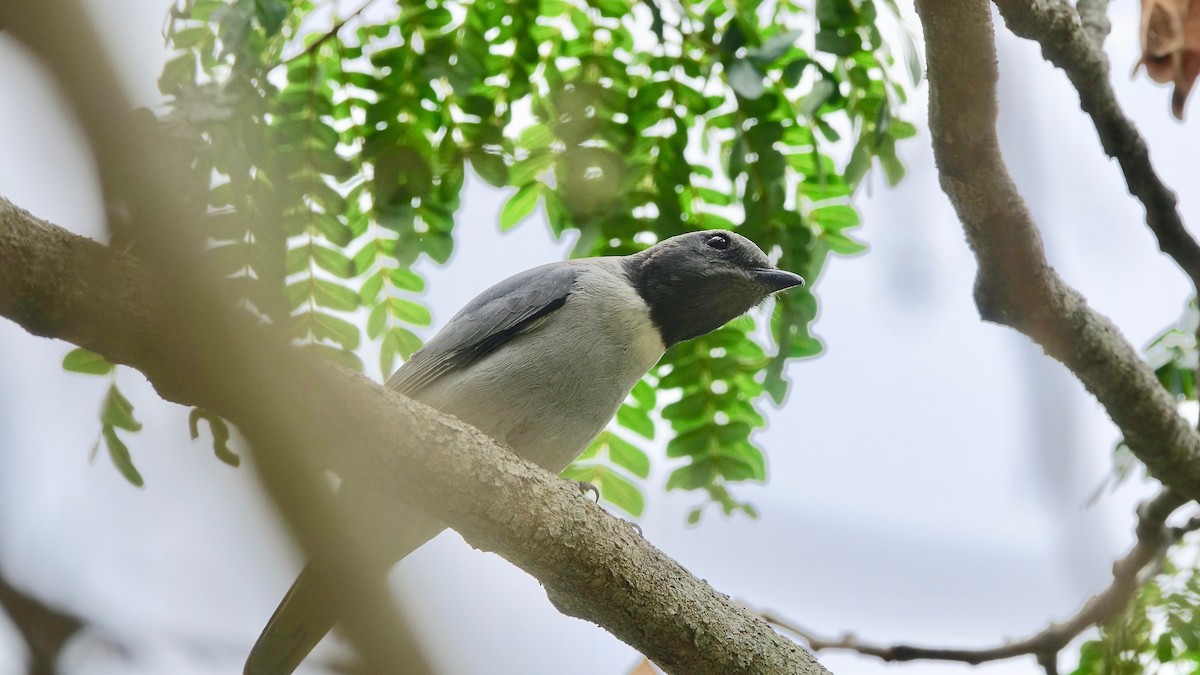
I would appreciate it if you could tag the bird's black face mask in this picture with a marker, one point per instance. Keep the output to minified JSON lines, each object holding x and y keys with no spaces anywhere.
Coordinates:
{"x":697,"y":282}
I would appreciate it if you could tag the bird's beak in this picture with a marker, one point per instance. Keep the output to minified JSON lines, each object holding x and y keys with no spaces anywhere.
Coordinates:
{"x":777,"y":280}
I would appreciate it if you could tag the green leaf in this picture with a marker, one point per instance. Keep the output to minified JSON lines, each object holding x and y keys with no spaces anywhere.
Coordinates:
{"x":271,"y":14}
{"x":80,"y":360}
{"x":329,"y":327}
{"x":694,"y":476}
{"x":190,"y":38}
{"x":892,"y":168}
{"x":438,"y":245}
{"x":644,"y":395}
{"x":370,"y":288}
{"x":636,"y":421}
{"x":688,"y":407}
{"x":836,"y":43}
{"x":899,"y":129}
{"x":406,"y":341}
{"x":177,"y":73}
{"x":406,"y":280}
{"x":333,"y":296}
{"x":334,"y":262}
{"x":120,"y":456}
{"x":376,"y":321}
{"x":745,"y":79}
{"x":837,"y":217}
{"x":365,"y":258}
{"x":387,"y":356}
{"x":409,"y":312}
{"x":536,"y":137}
{"x":840,"y":243}
{"x":117,"y":411}
{"x":821,"y":92}
{"x":490,"y":167}
{"x":1164,"y":649}
{"x":694,"y":442}
{"x":859,"y":163}
{"x":520,"y":205}
{"x":776,"y":385}
{"x":220,"y":434}
{"x":625,"y":454}
{"x":775,"y":47}
{"x":621,"y":493}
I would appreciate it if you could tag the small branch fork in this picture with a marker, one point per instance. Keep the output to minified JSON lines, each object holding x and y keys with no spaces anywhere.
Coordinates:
{"x":1073,"y":41}
{"x":1015,"y":285}
{"x":1154,"y":538}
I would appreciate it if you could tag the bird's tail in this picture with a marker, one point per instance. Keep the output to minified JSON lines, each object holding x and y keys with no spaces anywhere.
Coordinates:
{"x":298,"y":624}
{"x":308,"y":611}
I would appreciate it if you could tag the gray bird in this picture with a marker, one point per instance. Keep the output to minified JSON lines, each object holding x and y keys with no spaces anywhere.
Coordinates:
{"x":540,"y":362}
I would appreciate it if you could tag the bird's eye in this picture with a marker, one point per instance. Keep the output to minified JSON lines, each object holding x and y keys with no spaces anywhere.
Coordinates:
{"x":717,"y":241}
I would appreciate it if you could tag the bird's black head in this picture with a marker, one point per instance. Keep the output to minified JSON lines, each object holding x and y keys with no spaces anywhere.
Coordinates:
{"x":697,"y":282}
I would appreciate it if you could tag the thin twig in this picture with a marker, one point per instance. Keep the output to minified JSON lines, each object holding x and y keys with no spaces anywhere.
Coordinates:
{"x":1154,"y":538}
{"x":337,"y":27}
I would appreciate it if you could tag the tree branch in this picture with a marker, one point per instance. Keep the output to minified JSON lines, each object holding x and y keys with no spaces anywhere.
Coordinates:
{"x":1154,"y":538}
{"x":1073,"y":46}
{"x":1093,"y":14}
{"x":1015,"y":285}
{"x":593,"y":566}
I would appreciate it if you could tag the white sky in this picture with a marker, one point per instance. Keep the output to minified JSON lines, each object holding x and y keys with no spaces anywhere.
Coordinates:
{"x":927,"y":472}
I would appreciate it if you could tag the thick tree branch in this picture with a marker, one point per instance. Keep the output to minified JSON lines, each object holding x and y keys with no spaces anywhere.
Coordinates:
{"x":1069,"y":41}
{"x":592,"y":565}
{"x":1015,"y":285}
{"x":1154,"y":538}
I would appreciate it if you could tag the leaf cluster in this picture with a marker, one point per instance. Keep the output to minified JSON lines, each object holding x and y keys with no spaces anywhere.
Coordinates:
{"x":1158,"y":633}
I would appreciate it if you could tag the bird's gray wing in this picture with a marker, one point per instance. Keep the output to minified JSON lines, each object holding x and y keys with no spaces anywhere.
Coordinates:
{"x":493,"y":318}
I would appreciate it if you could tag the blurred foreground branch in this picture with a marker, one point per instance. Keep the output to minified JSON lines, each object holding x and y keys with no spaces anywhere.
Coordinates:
{"x":44,"y":629}
{"x":1015,"y":285}
{"x":146,"y":188}
{"x":1154,"y":538}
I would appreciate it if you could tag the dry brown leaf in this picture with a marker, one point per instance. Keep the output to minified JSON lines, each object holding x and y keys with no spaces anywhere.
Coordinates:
{"x":1171,"y":46}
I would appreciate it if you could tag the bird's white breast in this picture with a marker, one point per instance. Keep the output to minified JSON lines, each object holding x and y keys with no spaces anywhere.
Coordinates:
{"x":548,"y":392}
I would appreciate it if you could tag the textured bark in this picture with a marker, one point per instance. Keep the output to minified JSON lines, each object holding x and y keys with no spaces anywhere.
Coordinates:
{"x":1015,"y":285}
{"x":593,"y":566}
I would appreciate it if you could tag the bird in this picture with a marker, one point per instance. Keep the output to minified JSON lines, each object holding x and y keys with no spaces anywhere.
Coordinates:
{"x":541,"y":362}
